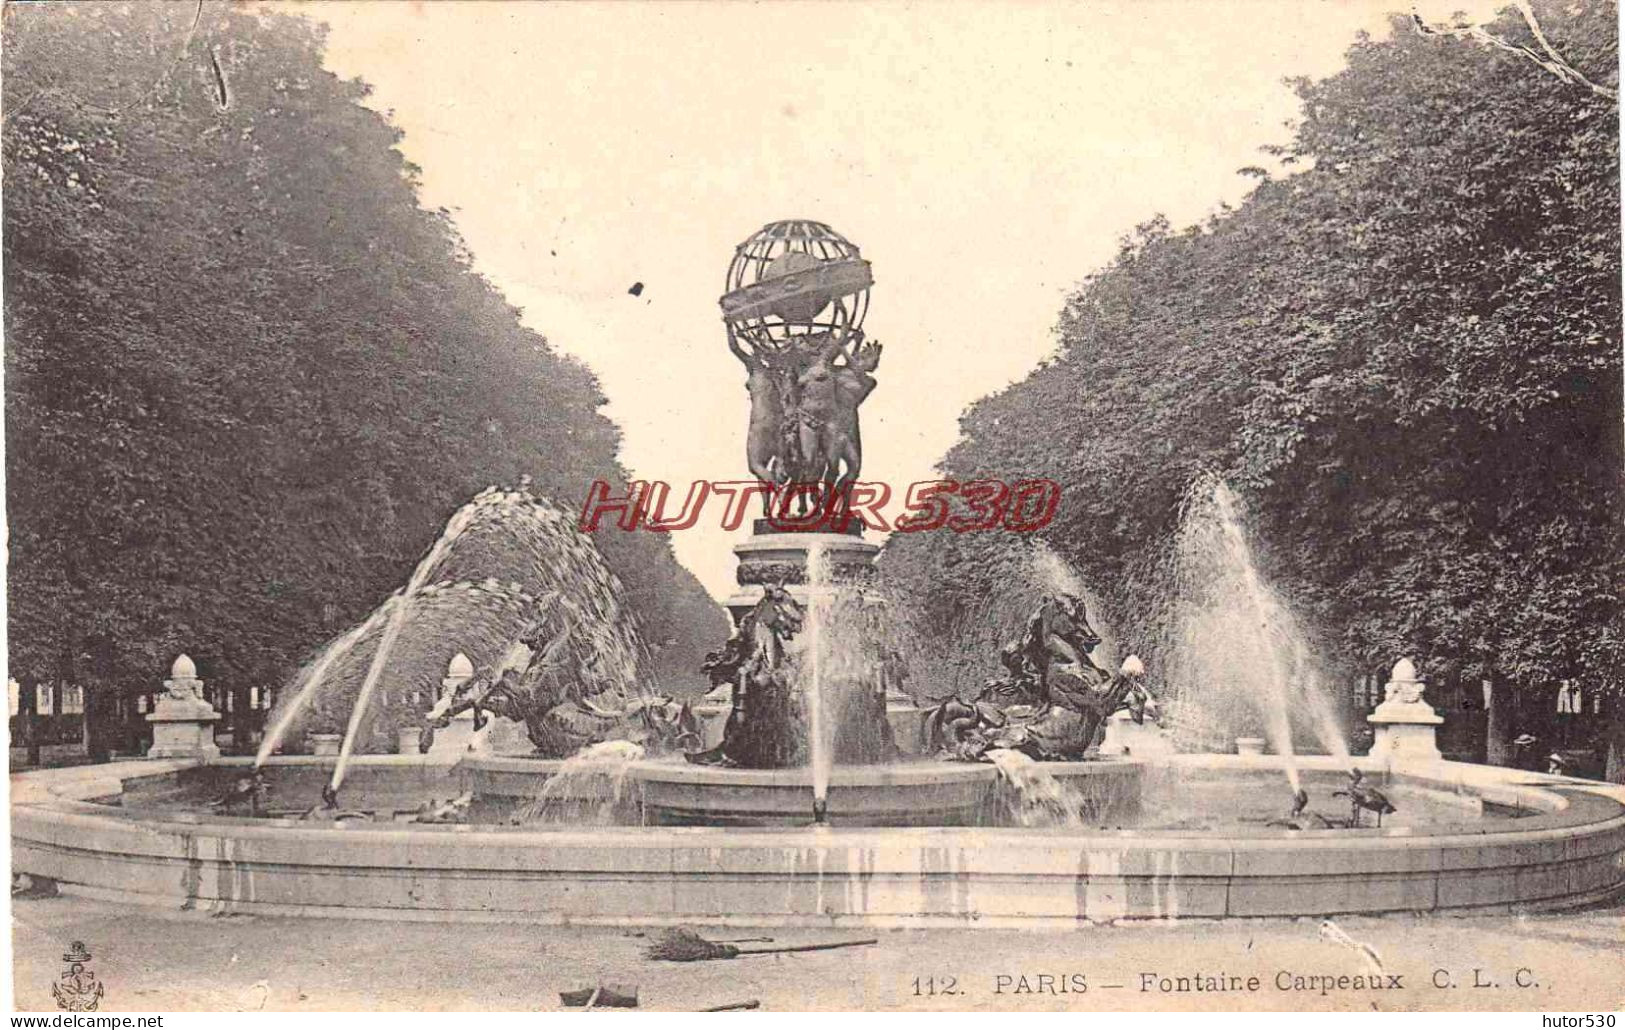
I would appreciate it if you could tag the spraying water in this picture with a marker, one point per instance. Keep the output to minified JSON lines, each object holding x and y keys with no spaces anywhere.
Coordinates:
{"x":452,"y":602}
{"x":318,"y":672}
{"x":1238,"y":659}
{"x":1037,"y":798}
{"x":820,"y":746}
{"x":588,"y":789}
{"x":846,"y":653}
{"x":392,"y":629}
{"x":1326,"y":726}
{"x":444,"y":618}
{"x":1033,"y":797}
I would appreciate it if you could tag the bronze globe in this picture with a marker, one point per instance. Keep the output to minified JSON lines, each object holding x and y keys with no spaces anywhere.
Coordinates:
{"x":795,"y":278}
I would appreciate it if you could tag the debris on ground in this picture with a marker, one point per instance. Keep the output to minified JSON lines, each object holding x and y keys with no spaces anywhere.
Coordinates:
{"x":683,"y":944}
{"x":606,"y":996}
{"x":25,"y":886}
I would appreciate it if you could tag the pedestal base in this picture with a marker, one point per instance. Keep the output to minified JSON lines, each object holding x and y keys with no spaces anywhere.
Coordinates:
{"x":907,"y":724}
{"x":782,"y":558}
{"x":712,"y":714}
{"x":183,"y":729}
{"x":1124,"y":736}
{"x":1405,"y":730}
{"x":504,"y":737}
{"x":1406,"y":740}
{"x":459,"y":738}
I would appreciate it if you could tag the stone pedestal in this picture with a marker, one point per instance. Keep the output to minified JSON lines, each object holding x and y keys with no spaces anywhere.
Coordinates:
{"x":712,"y":712}
{"x":504,"y":737}
{"x":1124,"y":736}
{"x":906,"y":718}
{"x":1250,"y":745}
{"x":182,"y":722}
{"x":769,"y":557}
{"x":1405,"y":725}
{"x":458,"y":738}
{"x":326,"y":745}
{"x":907,"y":725}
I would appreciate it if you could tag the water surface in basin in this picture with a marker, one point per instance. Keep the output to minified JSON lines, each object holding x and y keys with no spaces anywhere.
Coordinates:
{"x":1072,"y":796}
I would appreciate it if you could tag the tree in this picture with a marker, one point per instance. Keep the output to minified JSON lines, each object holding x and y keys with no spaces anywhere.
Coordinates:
{"x":1406,"y":353}
{"x":248,"y":376}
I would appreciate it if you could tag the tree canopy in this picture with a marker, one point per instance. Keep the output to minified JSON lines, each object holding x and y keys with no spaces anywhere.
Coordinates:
{"x":248,"y":376}
{"x":1404,"y":352}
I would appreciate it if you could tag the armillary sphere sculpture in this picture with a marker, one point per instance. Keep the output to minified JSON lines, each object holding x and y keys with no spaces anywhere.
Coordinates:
{"x":797,"y":292}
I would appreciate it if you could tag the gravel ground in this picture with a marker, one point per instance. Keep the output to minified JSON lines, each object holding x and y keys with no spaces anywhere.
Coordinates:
{"x":152,"y":960}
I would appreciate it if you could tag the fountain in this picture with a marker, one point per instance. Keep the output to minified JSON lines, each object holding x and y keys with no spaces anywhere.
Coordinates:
{"x":820,"y":746}
{"x":783,"y":798}
{"x":590,"y":788}
{"x":1238,"y":660}
{"x":800,"y":683}
{"x":554,"y":606}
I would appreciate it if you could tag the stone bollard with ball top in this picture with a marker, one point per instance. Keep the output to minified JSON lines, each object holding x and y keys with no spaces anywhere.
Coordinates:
{"x":182,"y":721}
{"x":1405,"y":725}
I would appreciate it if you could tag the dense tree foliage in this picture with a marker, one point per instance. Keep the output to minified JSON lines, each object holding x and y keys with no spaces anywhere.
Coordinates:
{"x":248,"y":377}
{"x":1405,"y":353}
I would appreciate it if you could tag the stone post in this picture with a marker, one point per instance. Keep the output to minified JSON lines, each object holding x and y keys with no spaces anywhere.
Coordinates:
{"x":407,"y":738}
{"x":182,"y":722}
{"x":1405,"y":724}
{"x":1124,"y":736}
{"x":459,"y":736}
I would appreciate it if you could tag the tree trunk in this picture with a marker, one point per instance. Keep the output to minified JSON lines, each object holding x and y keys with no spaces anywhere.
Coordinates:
{"x":97,"y":746}
{"x":28,"y":709}
{"x":1498,"y":722}
{"x":1614,"y":770}
{"x":241,"y":730}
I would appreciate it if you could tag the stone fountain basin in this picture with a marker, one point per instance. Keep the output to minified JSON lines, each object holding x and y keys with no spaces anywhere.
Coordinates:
{"x":674,"y":793}
{"x":70,"y":825}
{"x":914,"y":794}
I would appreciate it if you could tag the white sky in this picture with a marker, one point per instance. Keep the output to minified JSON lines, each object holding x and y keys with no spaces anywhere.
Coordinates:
{"x":984,"y":157}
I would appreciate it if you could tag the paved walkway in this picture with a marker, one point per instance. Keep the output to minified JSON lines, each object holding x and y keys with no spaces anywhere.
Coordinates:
{"x":154,"y":960}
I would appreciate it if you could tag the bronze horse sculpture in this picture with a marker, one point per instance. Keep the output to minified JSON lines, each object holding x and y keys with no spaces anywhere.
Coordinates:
{"x":1053,"y":698}
{"x":530,"y":686}
{"x":768,"y":726}
{"x":763,"y":727}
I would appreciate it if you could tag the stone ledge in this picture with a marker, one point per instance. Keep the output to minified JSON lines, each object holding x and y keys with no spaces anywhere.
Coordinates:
{"x":1572,"y":853}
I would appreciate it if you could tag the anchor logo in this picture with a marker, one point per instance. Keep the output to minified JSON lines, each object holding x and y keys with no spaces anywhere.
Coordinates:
{"x":77,"y":990}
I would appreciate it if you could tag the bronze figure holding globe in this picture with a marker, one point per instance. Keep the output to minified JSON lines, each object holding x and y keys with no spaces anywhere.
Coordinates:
{"x":797,"y":295}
